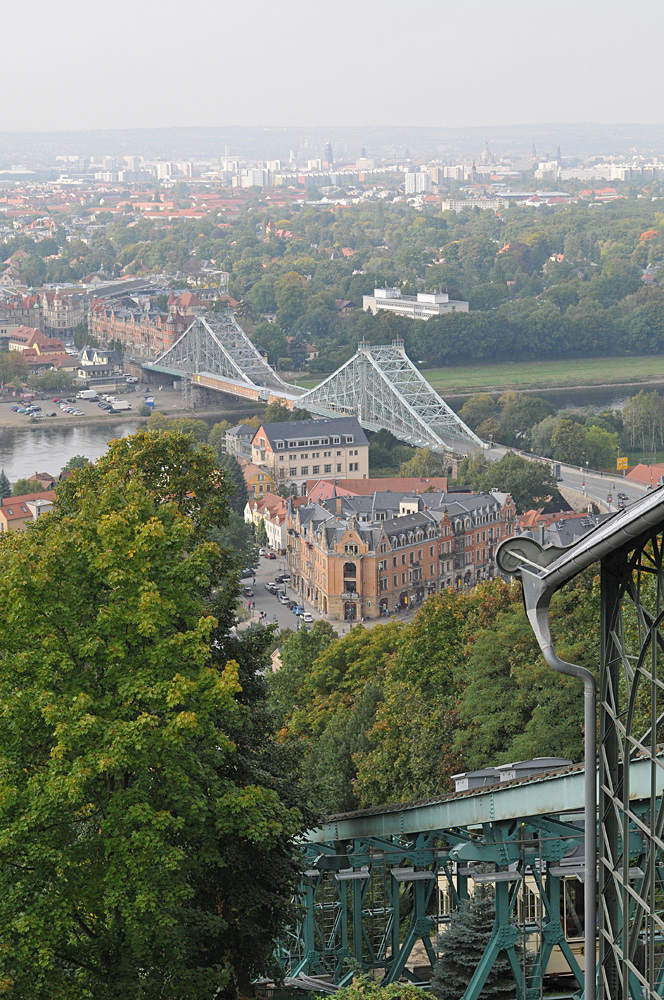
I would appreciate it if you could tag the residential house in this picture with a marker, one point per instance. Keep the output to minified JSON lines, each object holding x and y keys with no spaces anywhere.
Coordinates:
{"x":238,"y":441}
{"x":258,"y":480}
{"x":98,"y":367}
{"x":45,"y":480}
{"x":16,"y":513}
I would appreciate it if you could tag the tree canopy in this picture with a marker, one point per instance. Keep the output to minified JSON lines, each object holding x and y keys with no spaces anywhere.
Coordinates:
{"x":140,"y":768}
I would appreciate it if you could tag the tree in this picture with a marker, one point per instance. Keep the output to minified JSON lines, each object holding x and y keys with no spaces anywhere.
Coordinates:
{"x":530,"y":483}
{"x":601,"y":447}
{"x":239,"y":496}
{"x":76,"y":462}
{"x":217,"y":436}
{"x":23,"y":486}
{"x":5,"y":486}
{"x":479,"y":407}
{"x":462,"y":945}
{"x":424,"y":463}
{"x":568,"y":440}
{"x":261,"y":533}
{"x":143,"y":768}
{"x":275,"y":412}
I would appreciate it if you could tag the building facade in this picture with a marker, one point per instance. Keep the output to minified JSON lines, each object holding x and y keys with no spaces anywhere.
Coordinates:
{"x":145,"y":334}
{"x":297,"y":450}
{"x":424,"y":305}
{"x":358,"y":558}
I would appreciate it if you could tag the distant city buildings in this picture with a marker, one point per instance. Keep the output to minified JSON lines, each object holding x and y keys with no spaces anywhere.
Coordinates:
{"x":424,"y":305}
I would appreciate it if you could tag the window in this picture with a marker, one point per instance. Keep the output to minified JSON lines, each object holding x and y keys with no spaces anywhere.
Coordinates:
{"x":281,"y":458}
{"x":292,"y":471}
{"x":383,"y":583}
{"x":431,"y":570}
{"x":403,"y":577}
{"x":279,"y":444}
{"x":338,"y":454}
{"x":395,"y":580}
{"x":262,"y":442}
{"x":431,"y":550}
{"x":316,"y":470}
{"x":327,"y":468}
{"x":383,"y":548}
{"x":403,"y":558}
{"x":336,"y":440}
{"x":382,"y":565}
{"x":349,"y":439}
{"x":304,"y":471}
{"x":338,"y":466}
{"x":327,"y":454}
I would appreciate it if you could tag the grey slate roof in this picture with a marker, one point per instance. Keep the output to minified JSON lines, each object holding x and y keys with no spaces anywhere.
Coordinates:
{"x":318,"y":430}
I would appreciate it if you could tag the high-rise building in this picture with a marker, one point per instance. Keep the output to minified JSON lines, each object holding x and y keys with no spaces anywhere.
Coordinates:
{"x":417,"y":183}
{"x":327,"y":156}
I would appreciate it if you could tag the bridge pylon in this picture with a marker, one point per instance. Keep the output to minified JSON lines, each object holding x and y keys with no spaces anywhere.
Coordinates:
{"x":382,"y":388}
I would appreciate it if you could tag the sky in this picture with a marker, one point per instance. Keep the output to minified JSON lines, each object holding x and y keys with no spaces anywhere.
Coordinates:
{"x":142,"y":63}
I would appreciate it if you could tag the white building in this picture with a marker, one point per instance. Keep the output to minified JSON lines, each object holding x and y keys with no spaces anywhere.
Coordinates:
{"x":485,"y":204}
{"x":424,"y":305}
{"x":417,"y":183}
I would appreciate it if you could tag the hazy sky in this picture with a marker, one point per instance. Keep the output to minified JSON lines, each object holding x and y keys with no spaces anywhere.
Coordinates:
{"x":139,"y":63}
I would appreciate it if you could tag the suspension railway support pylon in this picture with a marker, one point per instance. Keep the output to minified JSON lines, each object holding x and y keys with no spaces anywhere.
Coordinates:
{"x":382,"y":388}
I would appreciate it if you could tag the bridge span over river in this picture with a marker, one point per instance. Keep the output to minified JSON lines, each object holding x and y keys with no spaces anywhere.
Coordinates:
{"x":379,"y":385}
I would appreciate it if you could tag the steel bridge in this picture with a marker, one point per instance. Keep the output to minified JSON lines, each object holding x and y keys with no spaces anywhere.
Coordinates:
{"x":374,"y":879}
{"x":379,"y":385}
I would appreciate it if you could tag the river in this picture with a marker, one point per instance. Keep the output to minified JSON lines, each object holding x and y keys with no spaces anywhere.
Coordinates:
{"x":42,"y":449}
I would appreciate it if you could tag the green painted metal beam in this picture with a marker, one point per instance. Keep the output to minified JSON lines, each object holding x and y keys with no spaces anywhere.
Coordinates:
{"x":553,"y":795}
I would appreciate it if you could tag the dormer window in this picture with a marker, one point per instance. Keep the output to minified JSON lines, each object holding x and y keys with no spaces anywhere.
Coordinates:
{"x":279,"y":444}
{"x":336,"y":440}
{"x":349,"y":439}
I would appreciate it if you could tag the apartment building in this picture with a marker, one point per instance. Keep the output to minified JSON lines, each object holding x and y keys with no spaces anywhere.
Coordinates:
{"x":296,"y":450}
{"x":366,"y":557}
{"x":143,"y":333}
{"x":17,"y":512}
{"x":424,"y":305}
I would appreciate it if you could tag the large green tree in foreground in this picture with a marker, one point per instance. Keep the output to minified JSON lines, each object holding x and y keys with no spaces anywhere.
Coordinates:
{"x":147,"y":814}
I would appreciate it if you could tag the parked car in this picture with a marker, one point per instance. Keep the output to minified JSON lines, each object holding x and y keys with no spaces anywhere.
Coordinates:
{"x":270,"y":555}
{"x":54,"y":414}
{"x":283,"y":578}
{"x":36,"y":409}
{"x":104,"y":406}
{"x":13,"y":409}
{"x":292,"y":604}
{"x":284,"y":599}
{"x":56,"y":399}
{"x":248,"y":592}
{"x":298,"y":609}
{"x":22,"y":409}
{"x":246,"y":572}
{"x":262,"y":552}
{"x":271,"y":586}
{"x":308,"y":618}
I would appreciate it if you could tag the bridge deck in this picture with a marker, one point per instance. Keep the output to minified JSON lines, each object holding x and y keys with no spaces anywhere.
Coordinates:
{"x":553,"y":794}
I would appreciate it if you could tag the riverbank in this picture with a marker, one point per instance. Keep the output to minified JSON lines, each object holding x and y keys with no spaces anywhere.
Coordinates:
{"x":167,"y":402}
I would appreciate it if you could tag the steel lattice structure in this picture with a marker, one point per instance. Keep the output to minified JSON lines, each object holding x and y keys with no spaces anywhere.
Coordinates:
{"x":631,"y":714}
{"x":631,"y":717}
{"x":216,"y":343}
{"x":383,"y":389}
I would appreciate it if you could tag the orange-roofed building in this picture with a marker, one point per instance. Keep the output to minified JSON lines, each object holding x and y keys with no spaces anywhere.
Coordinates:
{"x":649,"y":475}
{"x":16,"y":513}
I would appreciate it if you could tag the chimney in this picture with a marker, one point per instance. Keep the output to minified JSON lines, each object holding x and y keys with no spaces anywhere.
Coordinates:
{"x":541,"y":534}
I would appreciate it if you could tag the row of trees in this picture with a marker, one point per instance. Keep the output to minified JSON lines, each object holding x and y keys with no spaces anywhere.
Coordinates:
{"x":575,"y":436}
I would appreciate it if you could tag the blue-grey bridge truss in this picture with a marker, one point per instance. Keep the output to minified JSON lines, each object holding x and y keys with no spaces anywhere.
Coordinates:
{"x":379,"y":385}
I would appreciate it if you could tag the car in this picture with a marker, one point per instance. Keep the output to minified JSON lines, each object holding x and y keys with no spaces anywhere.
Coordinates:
{"x":298,"y":609}
{"x":13,"y":409}
{"x":283,"y":599}
{"x":22,"y":409}
{"x":56,"y":399}
{"x":248,"y":592}
{"x":271,"y":555}
{"x":283,"y":578}
{"x":78,"y":413}
{"x":271,"y":586}
{"x":262,"y":552}
{"x":36,"y":416}
{"x":292,"y":604}
{"x":308,"y":618}
{"x":70,"y":399}
{"x":36,"y":409}
{"x":104,"y":406}
{"x":246,"y":572}
{"x":54,"y":414}
{"x":621,"y":504}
